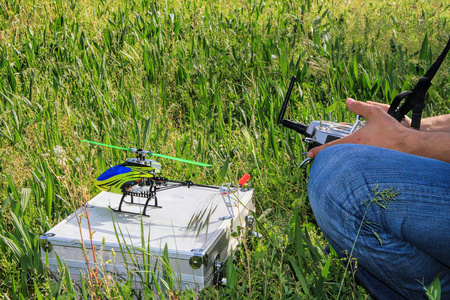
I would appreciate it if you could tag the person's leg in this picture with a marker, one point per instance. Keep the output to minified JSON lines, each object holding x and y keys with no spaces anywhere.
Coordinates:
{"x":402,"y":247}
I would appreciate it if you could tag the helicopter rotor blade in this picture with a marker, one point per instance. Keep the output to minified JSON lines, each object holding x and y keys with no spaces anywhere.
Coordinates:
{"x":180,"y":159}
{"x":111,"y":146}
{"x":152,"y":153}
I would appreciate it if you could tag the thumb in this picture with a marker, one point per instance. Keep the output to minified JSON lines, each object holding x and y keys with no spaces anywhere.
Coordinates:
{"x":314,"y":151}
{"x":360,"y":108}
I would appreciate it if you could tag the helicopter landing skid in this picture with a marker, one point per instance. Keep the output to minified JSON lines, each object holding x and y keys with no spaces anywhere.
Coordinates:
{"x":150,"y":194}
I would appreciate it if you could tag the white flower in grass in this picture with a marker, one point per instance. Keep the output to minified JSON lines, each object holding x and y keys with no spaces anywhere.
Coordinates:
{"x":61,"y":161}
{"x":58,"y":150}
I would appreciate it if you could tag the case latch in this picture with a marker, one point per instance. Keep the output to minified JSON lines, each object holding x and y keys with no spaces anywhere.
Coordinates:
{"x":45,"y":244}
{"x":199,"y":259}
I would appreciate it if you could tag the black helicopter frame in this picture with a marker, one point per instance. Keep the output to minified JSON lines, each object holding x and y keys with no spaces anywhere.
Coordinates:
{"x":155,"y":184}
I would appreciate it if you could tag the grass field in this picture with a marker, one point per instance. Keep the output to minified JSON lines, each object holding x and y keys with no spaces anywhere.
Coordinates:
{"x":200,"y":80}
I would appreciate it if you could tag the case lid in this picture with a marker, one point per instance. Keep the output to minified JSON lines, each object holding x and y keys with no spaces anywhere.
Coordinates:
{"x":213,"y":208}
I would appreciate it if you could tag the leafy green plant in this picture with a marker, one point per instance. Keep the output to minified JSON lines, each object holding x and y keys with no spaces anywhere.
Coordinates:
{"x":434,"y":290}
{"x":380,"y":198}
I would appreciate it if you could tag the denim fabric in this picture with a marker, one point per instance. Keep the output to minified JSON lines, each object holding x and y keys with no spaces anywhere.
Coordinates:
{"x":413,"y":242}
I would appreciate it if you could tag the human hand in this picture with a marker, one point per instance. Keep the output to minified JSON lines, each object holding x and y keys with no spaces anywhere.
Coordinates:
{"x":380,"y":130}
{"x":406,"y":121}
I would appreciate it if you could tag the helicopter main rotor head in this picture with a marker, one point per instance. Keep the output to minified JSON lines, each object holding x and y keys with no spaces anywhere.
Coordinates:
{"x":140,"y":151}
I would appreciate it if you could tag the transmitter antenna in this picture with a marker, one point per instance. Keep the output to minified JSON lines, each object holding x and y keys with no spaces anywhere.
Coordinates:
{"x":299,"y":127}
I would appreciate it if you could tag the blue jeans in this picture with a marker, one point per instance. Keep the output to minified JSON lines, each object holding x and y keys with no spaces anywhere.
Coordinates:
{"x":402,"y":247}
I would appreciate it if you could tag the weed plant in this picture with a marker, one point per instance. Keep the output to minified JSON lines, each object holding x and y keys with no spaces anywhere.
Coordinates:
{"x":201,"y":80}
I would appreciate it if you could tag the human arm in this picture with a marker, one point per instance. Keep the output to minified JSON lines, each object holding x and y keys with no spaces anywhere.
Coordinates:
{"x":381,"y":130}
{"x":437,"y":123}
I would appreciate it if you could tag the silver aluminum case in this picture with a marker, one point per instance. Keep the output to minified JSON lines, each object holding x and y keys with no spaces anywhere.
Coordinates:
{"x":114,"y":232}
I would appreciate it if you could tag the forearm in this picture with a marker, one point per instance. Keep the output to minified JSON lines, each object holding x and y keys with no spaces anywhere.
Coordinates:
{"x":430,"y":144}
{"x":438,"y":123}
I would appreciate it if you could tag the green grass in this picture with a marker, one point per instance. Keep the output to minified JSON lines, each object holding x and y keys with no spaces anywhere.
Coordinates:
{"x":200,"y":80}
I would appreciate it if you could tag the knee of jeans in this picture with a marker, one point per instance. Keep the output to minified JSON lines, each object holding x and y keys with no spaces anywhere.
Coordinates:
{"x":333,"y":173}
{"x":332,"y":163}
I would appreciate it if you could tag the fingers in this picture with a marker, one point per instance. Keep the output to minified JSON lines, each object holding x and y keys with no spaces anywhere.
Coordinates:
{"x":352,"y":105}
{"x":349,"y":139}
{"x":406,"y":122}
{"x":384,"y":106}
{"x":367,"y":110}
{"x":377,"y":122}
{"x":314,"y":151}
{"x":358,"y":107}
{"x":364,"y":109}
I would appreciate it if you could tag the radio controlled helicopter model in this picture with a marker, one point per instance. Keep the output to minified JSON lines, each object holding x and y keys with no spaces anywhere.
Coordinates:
{"x":137,"y":177}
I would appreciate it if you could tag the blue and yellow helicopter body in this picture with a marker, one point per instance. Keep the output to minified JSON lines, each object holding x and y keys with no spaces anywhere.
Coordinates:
{"x":119,"y":178}
{"x":138,"y":177}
